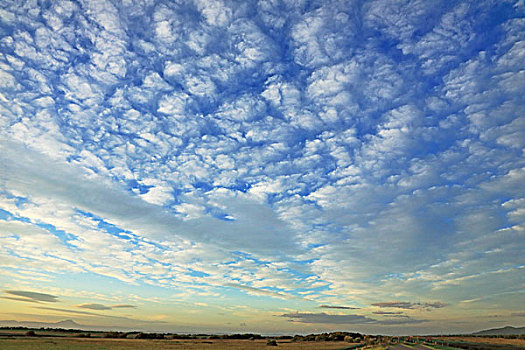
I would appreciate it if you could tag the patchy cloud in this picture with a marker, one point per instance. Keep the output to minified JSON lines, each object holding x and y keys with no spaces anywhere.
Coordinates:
{"x":435,"y":305}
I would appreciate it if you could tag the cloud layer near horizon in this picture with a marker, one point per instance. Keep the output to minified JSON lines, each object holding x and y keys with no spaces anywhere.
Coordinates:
{"x":33,"y":296}
{"x":314,"y":153}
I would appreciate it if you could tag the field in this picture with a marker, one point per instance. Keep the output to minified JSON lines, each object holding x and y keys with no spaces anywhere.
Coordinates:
{"x":66,"y":343}
{"x":488,"y":340}
{"x":57,"y":340}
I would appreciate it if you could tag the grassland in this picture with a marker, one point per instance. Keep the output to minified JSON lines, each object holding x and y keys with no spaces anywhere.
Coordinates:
{"x":488,"y":340}
{"x":66,"y":343}
{"x":65,"y":340}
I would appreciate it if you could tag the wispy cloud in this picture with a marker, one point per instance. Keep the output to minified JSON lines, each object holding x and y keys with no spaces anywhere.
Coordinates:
{"x":410,"y":305}
{"x":88,"y":313}
{"x":123,"y":306}
{"x":323,"y":318}
{"x":401,"y":321}
{"x":20,"y":299}
{"x":337,"y":307}
{"x":94,"y":306}
{"x":33,"y":296}
{"x":259,"y":291}
{"x":68,"y":311}
{"x":396,"y":304}
{"x":326,"y":318}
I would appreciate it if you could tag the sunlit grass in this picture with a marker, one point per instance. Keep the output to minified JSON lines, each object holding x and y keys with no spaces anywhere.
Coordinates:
{"x":136,"y":344}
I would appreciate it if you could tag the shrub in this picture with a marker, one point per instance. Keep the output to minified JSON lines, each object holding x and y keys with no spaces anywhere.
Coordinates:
{"x":321,"y":337}
{"x":149,"y":336}
{"x":298,"y":338}
{"x":112,"y":335}
{"x":271,"y":342}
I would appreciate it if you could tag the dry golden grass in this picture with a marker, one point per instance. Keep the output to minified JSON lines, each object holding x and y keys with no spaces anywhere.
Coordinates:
{"x":487,"y":340}
{"x":25,"y":343}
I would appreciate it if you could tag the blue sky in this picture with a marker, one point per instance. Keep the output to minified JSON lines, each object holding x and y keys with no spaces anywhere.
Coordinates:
{"x":265,"y":166}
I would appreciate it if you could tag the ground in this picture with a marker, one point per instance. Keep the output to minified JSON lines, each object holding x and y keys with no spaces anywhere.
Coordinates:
{"x":45,"y":343}
{"x":487,"y":340}
{"x":16,"y":341}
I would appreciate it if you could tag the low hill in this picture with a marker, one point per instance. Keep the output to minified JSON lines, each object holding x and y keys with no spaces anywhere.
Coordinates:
{"x":502,"y":331}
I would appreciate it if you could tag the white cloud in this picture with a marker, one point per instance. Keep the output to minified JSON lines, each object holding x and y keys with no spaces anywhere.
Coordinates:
{"x":215,"y":12}
{"x":329,"y":150}
{"x":158,"y":195}
{"x":174,"y":104}
{"x":7,"y":80}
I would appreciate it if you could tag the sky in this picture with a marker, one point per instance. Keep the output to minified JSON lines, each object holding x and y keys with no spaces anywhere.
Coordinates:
{"x":268,"y":166}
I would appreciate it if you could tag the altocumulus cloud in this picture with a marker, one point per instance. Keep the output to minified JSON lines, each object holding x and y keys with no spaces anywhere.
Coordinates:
{"x":333,"y":152}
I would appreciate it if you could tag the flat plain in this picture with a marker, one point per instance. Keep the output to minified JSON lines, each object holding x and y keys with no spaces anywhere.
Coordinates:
{"x":15,"y":340}
{"x":487,"y":340}
{"x":66,"y":343}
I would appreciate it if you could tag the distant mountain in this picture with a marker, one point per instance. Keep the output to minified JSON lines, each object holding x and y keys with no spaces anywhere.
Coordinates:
{"x":502,"y":331}
{"x":68,"y":324}
{"x":65,"y":324}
